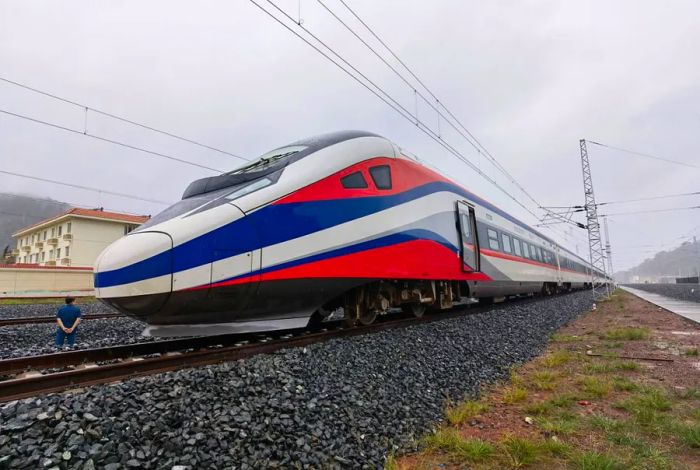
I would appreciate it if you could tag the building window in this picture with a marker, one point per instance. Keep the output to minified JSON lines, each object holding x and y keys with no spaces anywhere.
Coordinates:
{"x":353,"y":181}
{"x":67,"y":251}
{"x":516,"y":247}
{"x":53,"y":232}
{"x":58,"y":253}
{"x":493,"y":240}
{"x":381,"y":175}
{"x":43,"y":256}
{"x":506,"y":243}
{"x":68,"y":227}
{"x":45,"y":233}
{"x":60,"y":230}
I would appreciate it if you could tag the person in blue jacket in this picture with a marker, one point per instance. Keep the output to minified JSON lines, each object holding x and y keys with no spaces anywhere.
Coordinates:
{"x":68,"y":319}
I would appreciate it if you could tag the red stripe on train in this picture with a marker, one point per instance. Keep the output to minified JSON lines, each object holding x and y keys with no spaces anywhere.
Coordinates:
{"x":415,"y":259}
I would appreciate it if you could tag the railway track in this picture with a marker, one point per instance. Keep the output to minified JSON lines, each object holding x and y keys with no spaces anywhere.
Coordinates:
{"x":36,"y":375}
{"x":52,"y":319}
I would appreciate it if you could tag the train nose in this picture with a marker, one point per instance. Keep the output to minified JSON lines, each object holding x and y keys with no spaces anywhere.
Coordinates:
{"x":134,"y":274}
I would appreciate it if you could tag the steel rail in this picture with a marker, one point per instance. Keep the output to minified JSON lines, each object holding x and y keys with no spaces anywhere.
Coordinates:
{"x":178,"y":354}
{"x":52,"y":319}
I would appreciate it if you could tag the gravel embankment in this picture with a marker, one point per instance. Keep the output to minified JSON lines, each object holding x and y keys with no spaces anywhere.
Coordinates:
{"x":38,"y":338}
{"x":687,"y":292}
{"x":48,"y":310}
{"x":343,"y":403}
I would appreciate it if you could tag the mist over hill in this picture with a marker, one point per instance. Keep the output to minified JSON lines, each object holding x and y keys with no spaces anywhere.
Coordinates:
{"x":18,"y":211}
{"x":679,"y":262}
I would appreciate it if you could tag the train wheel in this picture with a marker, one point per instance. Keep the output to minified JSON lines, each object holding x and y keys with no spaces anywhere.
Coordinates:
{"x":416,"y":309}
{"x":367,"y":317}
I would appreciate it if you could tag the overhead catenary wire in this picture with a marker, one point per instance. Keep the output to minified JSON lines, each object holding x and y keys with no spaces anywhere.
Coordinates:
{"x":651,"y":211}
{"x":119,"y":118}
{"x":111,"y":141}
{"x":627,"y":201}
{"x":386,"y":98}
{"x":477,"y":144}
{"x":646,"y":155}
{"x":87,"y":188}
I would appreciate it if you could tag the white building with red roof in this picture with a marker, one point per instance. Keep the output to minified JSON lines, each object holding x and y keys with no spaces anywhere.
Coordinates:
{"x":74,"y":238}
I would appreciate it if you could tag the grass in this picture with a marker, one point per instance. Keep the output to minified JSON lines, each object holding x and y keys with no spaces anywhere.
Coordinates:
{"x":557,"y":358}
{"x":459,"y":414}
{"x":521,"y":451}
{"x":647,"y":407}
{"x":606,"y":424}
{"x":544,"y":380}
{"x":595,"y":387}
{"x":626,"y":334}
{"x":450,"y":441}
{"x":591,"y":460}
{"x":559,"y":401}
{"x":688,"y":433}
{"x":514,"y":394}
{"x":559,"y":338}
{"x":612,"y":366}
{"x":688,"y":394}
{"x":691,"y":352}
{"x":563,"y":423}
{"x":391,"y":463}
{"x":622,"y":384}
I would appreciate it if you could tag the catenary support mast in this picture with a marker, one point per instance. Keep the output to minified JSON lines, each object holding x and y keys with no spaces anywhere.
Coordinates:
{"x":595,"y":244}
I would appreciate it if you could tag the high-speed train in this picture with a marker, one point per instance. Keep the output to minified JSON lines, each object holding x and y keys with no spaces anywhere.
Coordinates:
{"x":343,"y":220}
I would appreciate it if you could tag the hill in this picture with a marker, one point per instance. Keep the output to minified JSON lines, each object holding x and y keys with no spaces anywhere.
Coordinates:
{"x":18,"y":211}
{"x":681,"y":261}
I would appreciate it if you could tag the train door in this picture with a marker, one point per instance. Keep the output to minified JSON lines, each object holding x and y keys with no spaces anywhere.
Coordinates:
{"x":235,"y":267}
{"x":469,"y":240}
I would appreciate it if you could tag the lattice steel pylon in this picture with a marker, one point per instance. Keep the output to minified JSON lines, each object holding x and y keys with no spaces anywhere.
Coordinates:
{"x":595,"y":244}
{"x":608,"y":251}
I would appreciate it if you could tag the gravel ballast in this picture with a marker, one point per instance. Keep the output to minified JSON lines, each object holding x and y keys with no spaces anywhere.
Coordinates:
{"x":38,"y":338}
{"x":342,"y":403}
{"x":687,"y":292}
{"x":49,"y":310}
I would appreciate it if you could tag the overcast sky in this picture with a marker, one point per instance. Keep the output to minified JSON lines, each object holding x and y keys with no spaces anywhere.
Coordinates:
{"x":528,"y":79}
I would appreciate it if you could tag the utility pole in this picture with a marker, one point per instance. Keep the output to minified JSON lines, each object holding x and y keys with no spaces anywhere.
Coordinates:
{"x":697,"y":258}
{"x":594,"y":239}
{"x":608,"y":251}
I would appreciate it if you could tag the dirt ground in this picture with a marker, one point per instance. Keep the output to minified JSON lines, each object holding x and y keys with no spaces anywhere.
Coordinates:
{"x":618,"y":388}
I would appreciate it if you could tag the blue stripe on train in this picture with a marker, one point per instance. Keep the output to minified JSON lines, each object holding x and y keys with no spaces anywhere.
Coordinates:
{"x":270,"y":225}
{"x":388,"y":240}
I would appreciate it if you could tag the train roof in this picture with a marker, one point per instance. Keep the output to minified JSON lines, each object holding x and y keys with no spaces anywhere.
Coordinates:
{"x":271,"y":162}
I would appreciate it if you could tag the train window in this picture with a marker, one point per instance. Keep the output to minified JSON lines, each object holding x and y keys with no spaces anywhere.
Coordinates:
{"x":354,"y":181}
{"x":493,"y":240}
{"x":381,"y":175}
{"x":506,"y":243}
{"x":252,"y":187}
{"x":526,"y":251}
{"x":466,"y":224}
{"x":516,"y":247}
{"x":540,"y":258}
